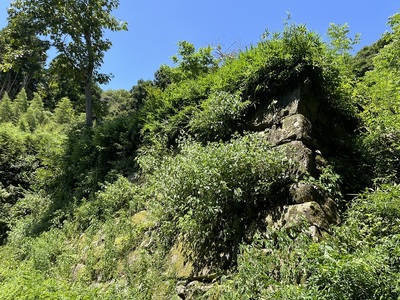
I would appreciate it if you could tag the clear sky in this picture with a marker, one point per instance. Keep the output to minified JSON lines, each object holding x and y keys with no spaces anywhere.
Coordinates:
{"x":156,"y":26}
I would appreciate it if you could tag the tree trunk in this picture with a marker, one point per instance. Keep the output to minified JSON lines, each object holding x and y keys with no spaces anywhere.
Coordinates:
{"x":88,"y":95}
{"x":89,"y":77}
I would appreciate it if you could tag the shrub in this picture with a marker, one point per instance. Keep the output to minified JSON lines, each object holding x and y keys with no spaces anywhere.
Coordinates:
{"x":218,"y":117}
{"x":6,"y":109}
{"x":64,"y":112}
{"x":210,"y":195}
{"x":381,"y":102}
{"x":94,"y":155}
{"x":213,"y":103}
{"x":18,"y":163}
{"x":114,"y":197}
{"x":360,"y":260}
{"x":375,"y":215}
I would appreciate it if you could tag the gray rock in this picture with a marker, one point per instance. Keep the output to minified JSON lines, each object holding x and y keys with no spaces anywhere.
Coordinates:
{"x":272,"y":113}
{"x":300,"y":154}
{"x":294,"y":128}
{"x":298,"y":101}
{"x":196,"y":289}
{"x":288,"y":216}
{"x":304,"y":192}
{"x":181,"y":291}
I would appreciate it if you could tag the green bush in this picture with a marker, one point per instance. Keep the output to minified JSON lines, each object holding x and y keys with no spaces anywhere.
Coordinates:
{"x":381,"y":101}
{"x":64,"y":112}
{"x":6,"y":109}
{"x":218,"y":116}
{"x":373,"y":216}
{"x":210,"y":195}
{"x":360,"y":260}
{"x":215,"y":104}
{"x":95,"y":155}
{"x":118,"y":196}
{"x":18,"y":163}
{"x":22,"y":281}
{"x":168,"y":112}
{"x":364,"y":274}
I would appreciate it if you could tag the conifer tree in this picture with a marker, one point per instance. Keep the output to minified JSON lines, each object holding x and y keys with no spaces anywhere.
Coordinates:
{"x":21,"y":104}
{"x":35,"y":114}
{"x":6,"y":109}
{"x":64,"y":112}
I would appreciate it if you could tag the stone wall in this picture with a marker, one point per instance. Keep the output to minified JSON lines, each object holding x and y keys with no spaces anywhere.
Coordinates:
{"x":287,"y":123}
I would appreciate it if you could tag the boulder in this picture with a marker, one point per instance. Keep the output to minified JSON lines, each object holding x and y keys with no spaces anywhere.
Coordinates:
{"x":180,"y":265}
{"x":269,"y":114}
{"x":177,"y":263}
{"x":329,"y":207}
{"x":300,"y":100}
{"x":293,"y":128}
{"x":290,"y":215}
{"x":303,"y":156}
{"x":304,"y":192}
{"x":196,"y":289}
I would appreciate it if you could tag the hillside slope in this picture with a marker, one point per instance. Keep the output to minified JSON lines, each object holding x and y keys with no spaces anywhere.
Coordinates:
{"x":262,"y":175}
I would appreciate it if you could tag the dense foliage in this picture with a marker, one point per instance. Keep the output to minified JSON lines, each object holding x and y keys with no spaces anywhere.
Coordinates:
{"x":169,"y":180}
{"x":209,"y":196}
{"x":380,"y":91}
{"x":359,"y":261}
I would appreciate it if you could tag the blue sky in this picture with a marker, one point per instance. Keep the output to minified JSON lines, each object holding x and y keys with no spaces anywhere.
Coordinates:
{"x":156,"y":26}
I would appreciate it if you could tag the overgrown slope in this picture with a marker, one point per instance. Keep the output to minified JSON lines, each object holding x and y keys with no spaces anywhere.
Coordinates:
{"x":168,"y":199}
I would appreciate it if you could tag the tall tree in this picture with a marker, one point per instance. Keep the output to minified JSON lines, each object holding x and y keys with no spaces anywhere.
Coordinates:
{"x":76,"y":29}
{"x":190,"y":64}
{"x":140,"y":92}
{"x":119,"y":102}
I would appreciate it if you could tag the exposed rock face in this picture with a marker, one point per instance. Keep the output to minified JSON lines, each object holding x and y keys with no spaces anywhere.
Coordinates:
{"x":293,"y":128}
{"x":287,"y":124}
{"x":299,"y":101}
{"x":302,"y":155}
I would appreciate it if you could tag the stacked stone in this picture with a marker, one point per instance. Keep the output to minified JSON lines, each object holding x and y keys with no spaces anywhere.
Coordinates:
{"x":287,"y":124}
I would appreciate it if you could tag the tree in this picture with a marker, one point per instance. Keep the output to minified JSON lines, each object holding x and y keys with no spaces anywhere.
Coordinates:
{"x":190,"y":64}
{"x":21,"y":103}
{"x":6,"y":110}
{"x":363,"y":60}
{"x":162,"y":77}
{"x":119,"y":102}
{"x":60,"y":82}
{"x":22,"y":59}
{"x":340,"y":45}
{"x":35,"y":114}
{"x":140,"y":92}
{"x":76,"y":29}
{"x":64,"y":112}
